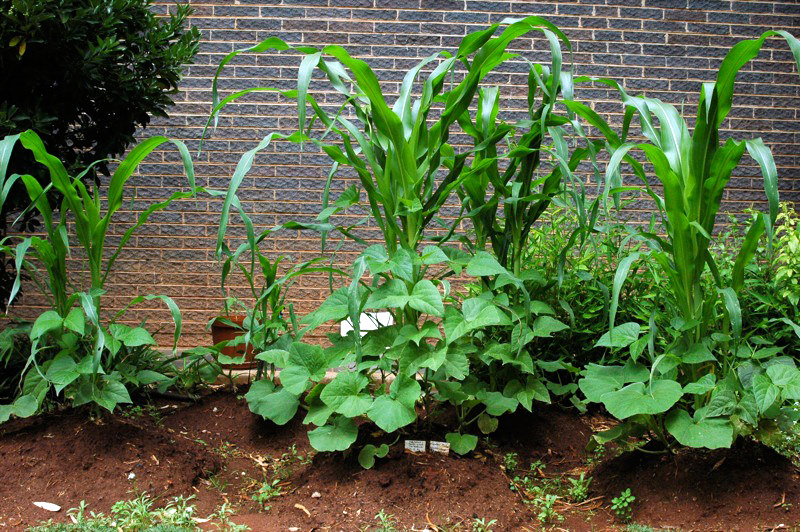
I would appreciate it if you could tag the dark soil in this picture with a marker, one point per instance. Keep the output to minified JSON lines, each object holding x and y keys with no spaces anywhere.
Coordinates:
{"x":747,"y":487}
{"x":218,"y":451}
{"x":66,"y":458}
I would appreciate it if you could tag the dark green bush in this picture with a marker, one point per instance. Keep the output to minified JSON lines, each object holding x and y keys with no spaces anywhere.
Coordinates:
{"x":84,"y":75}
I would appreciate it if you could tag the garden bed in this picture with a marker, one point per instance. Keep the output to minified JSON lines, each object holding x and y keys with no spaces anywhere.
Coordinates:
{"x":217,"y":451}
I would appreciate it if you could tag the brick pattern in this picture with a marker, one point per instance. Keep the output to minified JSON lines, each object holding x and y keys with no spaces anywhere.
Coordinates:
{"x":662,"y":48}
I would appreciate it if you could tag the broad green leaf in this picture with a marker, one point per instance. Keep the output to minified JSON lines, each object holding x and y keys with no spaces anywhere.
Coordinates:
{"x":306,"y":363}
{"x":498,"y":404}
{"x":369,"y":452}
{"x":344,"y":394}
{"x":426,"y":298}
{"x":483,"y":264}
{"x":722,"y":403}
{"x":433,"y":255}
{"x":336,"y":436}
{"x":391,"y":414}
{"x":765,"y":392}
{"x":708,"y":433}
{"x":130,"y":336}
{"x":46,"y":322}
{"x":461,"y":443}
{"x":600,"y":380}
{"x":702,"y":385}
{"x":75,"y":320}
{"x":147,"y":376}
{"x":23,"y":406}
{"x":318,"y":414}
{"x":62,"y":371}
{"x":544,"y":326}
{"x":392,"y":294}
{"x":620,"y":336}
{"x":638,"y":398}
{"x":276,"y":404}
{"x":782,"y":374}
{"x":487,"y":424}
{"x":111,"y":394}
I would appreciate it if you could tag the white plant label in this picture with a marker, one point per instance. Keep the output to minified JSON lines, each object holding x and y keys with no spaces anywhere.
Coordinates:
{"x":442,"y":447}
{"x":49,"y":506}
{"x":368,"y":321}
{"x":415,"y":446}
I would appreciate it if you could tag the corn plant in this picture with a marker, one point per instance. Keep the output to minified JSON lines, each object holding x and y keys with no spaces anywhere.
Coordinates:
{"x":270,"y":321}
{"x":73,"y":350}
{"x":408,"y":170}
{"x":700,"y":387}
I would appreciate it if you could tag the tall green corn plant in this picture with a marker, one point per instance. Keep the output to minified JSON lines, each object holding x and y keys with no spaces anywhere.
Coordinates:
{"x":704,"y":387}
{"x":270,"y":320}
{"x":408,"y":170}
{"x":72,"y":350}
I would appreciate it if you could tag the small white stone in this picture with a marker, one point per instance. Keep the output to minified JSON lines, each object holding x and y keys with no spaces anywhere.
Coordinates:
{"x":316,"y":495}
{"x":215,"y":409}
{"x":131,"y":475}
{"x":293,"y":529}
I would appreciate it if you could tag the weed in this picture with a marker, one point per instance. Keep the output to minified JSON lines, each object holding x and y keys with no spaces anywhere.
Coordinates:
{"x":539,"y":491}
{"x":481,"y":525}
{"x":635,"y":527}
{"x":285,"y":465}
{"x":510,"y":462}
{"x":386,"y":522}
{"x":622,"y":505}
{"x":579,"y":488}
{"x":224,"y":524}
{"x":596,"y":456}
{"x":268,"y":491}
{"x":218,"y":483}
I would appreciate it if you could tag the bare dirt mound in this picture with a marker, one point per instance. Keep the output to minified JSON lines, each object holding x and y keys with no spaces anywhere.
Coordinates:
{"x":67,"y":458}
{"x":747,"y":487}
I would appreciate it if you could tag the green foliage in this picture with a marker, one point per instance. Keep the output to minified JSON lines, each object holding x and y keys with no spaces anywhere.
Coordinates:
{"x":386,"y":522}
{"x":73,"y":352}
{"x":408,"y":170}
{"x":482,"y":525}
{"x":622,"y":505}
{"x":267,"y":491}
{"x":656,"y":321}
{"x":691,"y":377}
{"x":787,"y":246}
{"x":136,"y":515}
{"x":579,"y":488}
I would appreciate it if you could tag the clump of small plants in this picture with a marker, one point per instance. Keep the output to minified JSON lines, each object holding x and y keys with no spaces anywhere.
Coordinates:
{"x":622,"y":505}
{"x":141,"y":515}
{"x":579,"y":488}
{"x":281,"y":470}
{"x":539,"y":491}
{"x":386,"y":522}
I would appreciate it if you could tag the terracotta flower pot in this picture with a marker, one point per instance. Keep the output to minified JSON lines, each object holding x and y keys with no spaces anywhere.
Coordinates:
{"x":222,"y":332}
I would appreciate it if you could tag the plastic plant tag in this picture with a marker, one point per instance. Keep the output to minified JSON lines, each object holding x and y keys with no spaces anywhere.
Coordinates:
{"x":442,"y":447}
{"x":415,"y":446}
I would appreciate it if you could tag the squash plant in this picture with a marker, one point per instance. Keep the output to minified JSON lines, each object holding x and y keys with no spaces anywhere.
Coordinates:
{"x":408,"y":170}
{"x":692,"y":378}
{"x":74,"y":350}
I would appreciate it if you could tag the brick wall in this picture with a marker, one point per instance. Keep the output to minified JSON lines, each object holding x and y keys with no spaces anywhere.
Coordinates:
{"x":663,"y":48}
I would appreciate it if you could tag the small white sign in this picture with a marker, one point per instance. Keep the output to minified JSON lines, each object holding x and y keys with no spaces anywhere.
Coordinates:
{"x":442,"y":447}
{"x":368,"y":321}
{"x":415,"y":446}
